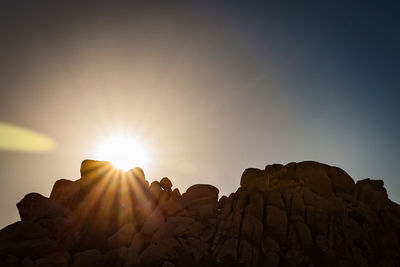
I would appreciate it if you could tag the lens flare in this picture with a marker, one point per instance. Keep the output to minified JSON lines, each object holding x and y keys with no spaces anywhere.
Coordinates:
{"x":123,"y":151}
{"x":16,"y":138}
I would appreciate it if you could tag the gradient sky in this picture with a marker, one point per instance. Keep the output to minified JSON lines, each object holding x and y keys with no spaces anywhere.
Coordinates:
{"x":210,"y":88}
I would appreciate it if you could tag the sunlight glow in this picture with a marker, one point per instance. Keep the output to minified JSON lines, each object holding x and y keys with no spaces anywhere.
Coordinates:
{"x":123,"y":151}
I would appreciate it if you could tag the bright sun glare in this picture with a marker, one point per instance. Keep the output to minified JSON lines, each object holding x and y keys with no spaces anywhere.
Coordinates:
{"x":123,"y":151}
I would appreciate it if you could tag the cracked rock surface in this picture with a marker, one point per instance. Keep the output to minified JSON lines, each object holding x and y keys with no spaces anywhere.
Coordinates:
{"x":299,"y":214}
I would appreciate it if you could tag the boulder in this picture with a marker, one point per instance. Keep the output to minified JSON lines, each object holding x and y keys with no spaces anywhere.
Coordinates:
{"x":273,"y":168}
{"x":65,"y":193}
{"x":227,"y":209}
{"x":177,"y":225}
{"x":123,"y":237}
{"x":166,"y":183}
{"x":254,"y":179}
{"x":314,"y":176}
{"x":303,"y":234}
{"x":241,"y":200}
{"x":34,"y":206}
{"x":275,"y":199}
{"x":28,"y":248}
{"x":317,"y":220}
{"x":153,"y":222}
{"x":159,"y":250}
{"x":298,"y":207}
{"x":23,"y":230}
{"x":252,"y":229}
{"x":222,"y":201}
{"x":228,"y":249}
{"x":176,"y":194}
{"x":203,"y":210}
{"x":200,"y":200}
{"x":199,"y":191}
{"x":91,"y":169}
{"x":137,"y":244}
{"x":372,"y":193}
{"x":256,"y":205}
{"x":90,"y":257}
{"x":268,"y":244}
{"x":137,"y":174}
{"x":155,"y":190}
{"x":171,"y":207}
{"x":276,"y":222}
{"x":340,"y":180}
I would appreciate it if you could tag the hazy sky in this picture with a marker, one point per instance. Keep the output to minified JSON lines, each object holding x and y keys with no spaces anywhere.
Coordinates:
{"x":210,"y":88}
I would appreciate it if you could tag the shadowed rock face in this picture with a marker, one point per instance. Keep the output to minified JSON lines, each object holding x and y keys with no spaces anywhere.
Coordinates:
{"x":299,"y":214}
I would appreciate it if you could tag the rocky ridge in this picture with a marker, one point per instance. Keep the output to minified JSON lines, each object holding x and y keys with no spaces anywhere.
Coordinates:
{"x":299,"y":214}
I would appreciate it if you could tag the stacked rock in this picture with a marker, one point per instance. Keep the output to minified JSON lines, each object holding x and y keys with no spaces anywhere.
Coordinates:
{"x":299,"y":214}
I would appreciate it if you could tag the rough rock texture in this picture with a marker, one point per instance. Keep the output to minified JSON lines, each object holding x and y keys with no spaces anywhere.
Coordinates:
{"x":299,"y":214}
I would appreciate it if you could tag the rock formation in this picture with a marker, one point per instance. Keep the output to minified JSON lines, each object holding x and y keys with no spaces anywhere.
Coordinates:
{"x":299,"y":214}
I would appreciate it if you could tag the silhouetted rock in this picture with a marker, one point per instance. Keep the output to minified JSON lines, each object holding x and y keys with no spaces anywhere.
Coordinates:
{"x":166,"y":183}
{"x":65,"y":193}
{"x":299,"y":214}
{"x":34,"y":207}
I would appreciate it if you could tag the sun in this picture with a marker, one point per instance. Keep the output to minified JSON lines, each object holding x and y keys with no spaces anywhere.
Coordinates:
{"x":123,"y":151}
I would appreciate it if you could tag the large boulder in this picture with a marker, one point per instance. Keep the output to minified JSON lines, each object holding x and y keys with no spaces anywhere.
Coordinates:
{"x":200,"y":191}
{"x":315,"y":177}
{"x":65,"y":193}
{"x":254,"y":179}
{"x":93,"y":169}
{"x":372,"y":193}
{"x":340,"y":180}
{"x":34,"y":206}
{"x":201,"y":200}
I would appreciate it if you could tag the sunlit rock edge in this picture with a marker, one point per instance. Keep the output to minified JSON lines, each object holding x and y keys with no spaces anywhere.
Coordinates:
{"x":299,"y":214}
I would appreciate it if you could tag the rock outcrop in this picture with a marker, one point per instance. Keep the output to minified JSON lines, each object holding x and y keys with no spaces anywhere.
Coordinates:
{"x":299,"y":214}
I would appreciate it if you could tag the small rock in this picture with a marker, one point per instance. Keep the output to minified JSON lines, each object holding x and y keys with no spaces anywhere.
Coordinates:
{"x":166,"y":183}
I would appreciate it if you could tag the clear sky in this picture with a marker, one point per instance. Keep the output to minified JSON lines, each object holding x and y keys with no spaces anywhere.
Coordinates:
{"x":209,"y":88}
